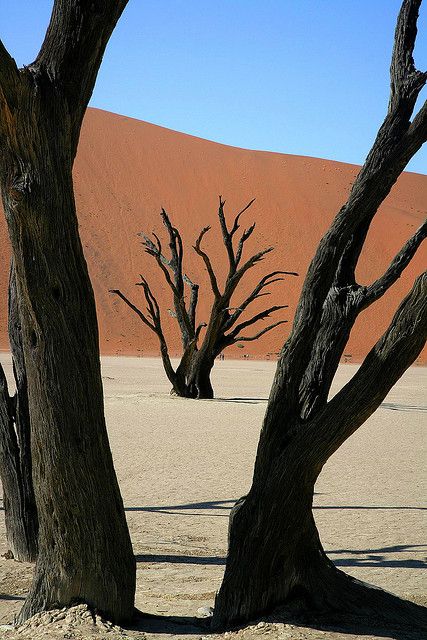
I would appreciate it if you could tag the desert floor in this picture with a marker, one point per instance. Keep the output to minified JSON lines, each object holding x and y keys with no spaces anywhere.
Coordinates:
{"x":181,"y":465}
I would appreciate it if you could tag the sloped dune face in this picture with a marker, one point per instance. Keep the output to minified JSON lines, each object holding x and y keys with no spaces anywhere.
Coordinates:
{"x":126,"y":170}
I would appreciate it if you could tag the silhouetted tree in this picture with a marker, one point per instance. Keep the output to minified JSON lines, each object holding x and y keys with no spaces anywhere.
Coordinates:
{"x":191,"y":379}
{"x":274,"y":549}
{"x":85,"y":553}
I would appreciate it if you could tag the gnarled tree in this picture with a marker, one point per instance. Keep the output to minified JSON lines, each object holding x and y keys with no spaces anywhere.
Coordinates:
{"x":85,"y":553}
{"x":274,"y":547}
{"x":191,"y":379}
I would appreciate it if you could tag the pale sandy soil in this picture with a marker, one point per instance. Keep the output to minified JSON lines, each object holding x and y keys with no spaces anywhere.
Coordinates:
{"x":182,"y":463}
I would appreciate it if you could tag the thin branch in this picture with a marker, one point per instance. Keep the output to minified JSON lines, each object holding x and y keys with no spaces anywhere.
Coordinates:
{"x":266,"y":281}
{"x":206,"y":259}
{"x":151,"y":249}
{"x":155,"y":250}
{"x":259,"y":334}
{"x":237,"y":218}
{"x":175,"y":246}
{"x":235,"y":279}
{"x":396,"y":268}
{"x":134,"y":308}
{"x":246,"y":234}
{"x":259,"y":316}
{"x":194,"y":297}
{"x":226,"y":236}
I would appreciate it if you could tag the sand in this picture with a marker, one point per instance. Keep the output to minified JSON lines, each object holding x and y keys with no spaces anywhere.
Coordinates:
{"x":126,"y":170}
{"x":182,"y":463}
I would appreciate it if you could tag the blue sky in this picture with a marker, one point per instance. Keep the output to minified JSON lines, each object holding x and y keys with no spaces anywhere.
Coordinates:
{"x":307,"y":77}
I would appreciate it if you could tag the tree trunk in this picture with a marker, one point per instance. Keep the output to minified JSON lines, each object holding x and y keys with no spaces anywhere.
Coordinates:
{"x":275,"y":554}
{"x":85,"y":552}
{"x":274,"y":548}
{"x":20,"y":505}
{"x":199,"y":379}
{"x":18,"y":498}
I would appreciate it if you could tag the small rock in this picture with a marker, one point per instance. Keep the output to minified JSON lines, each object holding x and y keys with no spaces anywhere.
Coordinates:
{"x":204,"y":612}
{"x":260,"y":625}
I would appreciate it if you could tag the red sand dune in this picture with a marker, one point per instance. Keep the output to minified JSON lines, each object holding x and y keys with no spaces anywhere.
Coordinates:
{"x":126,"y":170}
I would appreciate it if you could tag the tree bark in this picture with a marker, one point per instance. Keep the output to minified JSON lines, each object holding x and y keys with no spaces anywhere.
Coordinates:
{"x":18,"y":497}
{"x":274,"y":549}
{"x":20,"y":505}
{"x":85,"y":552}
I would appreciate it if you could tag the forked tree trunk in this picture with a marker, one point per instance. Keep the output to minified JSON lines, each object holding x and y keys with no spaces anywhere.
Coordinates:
{"x":274,"y":549}
{"x":85,"y":552}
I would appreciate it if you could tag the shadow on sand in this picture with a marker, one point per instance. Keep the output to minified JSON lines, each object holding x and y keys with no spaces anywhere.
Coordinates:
{"x":292,"y":614}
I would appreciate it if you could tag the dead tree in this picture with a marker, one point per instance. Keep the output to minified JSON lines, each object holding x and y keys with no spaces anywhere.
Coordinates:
{"x":19,"y":504}
{"x":191,"y":379}
{"x":274,"y":549}
{"x":85,"y":553}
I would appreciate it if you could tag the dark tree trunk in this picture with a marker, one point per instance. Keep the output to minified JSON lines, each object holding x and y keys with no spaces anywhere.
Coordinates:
{"x":22,"y":530}
{"x":274,"y":548}
{"x":18,"y":496}
{"x":85,"y":552}
{"x":199,"y":379}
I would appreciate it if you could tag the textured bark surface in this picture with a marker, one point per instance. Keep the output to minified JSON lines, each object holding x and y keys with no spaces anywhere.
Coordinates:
{"x":85,"y":553}
{"x":192,"y":378}
{"x":15,"y":472}
{"x":274,"y":548}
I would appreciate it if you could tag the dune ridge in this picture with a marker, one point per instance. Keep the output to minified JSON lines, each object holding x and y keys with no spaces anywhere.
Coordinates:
{"x":126,"y":170}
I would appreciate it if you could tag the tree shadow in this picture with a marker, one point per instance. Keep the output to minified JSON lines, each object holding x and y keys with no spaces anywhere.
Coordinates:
{"x":242,"y":400}
{"x":8,"y":596}
{"x":378,"y":557}
{"x":403,"y":407}
{"x":294,"y":613}
{"x":177,"y":559}
{"x":181,"y":509}
{"x":194,"y":508}
{"x":358,"y":558}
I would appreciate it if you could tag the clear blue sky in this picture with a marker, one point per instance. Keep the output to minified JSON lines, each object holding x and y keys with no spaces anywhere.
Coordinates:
{"x":307,"y":77}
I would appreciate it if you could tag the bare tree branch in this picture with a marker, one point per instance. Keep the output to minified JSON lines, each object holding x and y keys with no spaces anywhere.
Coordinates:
{"x":235,"y":279}
{"x":73,"y":47}
{"x":260,"y":333}
{"x":233,"y":258}
{"x":194,"y":297}
{"x":266,"y":281}
{"x":206,"y":259}
{"x":175,"y":246}
{"x":134,"y":308}
{"x":405,"y":81}
{"x":259,"y":316}
{"x":9,"y":73}
{"x":156,"y":327}
{"x":237,"y":218}
{"x":226,"y":236}
{"x":149,"y":244}
{"x":396,"y":268}
{"x":246,"y":234}
{"x":394,"y":352}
